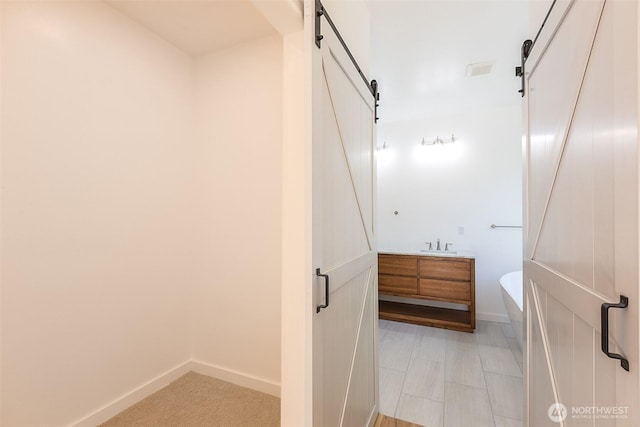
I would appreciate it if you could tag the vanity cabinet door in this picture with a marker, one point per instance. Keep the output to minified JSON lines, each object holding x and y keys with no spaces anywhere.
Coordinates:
{"x":446,"y":290}
{"x":443,"y":268}
{"x":398,"y":274}
{"x":390,"y":284}
{"x":400,"y":265}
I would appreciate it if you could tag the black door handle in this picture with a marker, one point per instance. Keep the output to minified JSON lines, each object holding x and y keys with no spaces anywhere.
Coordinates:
{"x":326,"y":290}
{"x":604,"y":314}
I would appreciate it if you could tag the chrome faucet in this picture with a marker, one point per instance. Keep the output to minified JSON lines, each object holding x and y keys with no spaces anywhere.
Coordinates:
{"x":430,"y":248}
{"x":438,"y":244}
{"x":446,"y":246}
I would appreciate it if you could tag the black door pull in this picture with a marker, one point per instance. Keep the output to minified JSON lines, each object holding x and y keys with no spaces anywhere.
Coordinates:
{"x":326,"y":290}
{"x":604,"y":313}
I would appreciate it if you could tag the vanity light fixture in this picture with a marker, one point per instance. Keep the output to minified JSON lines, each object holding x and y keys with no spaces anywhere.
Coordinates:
{"x":384,"y":146}
{"x":439,"y":140}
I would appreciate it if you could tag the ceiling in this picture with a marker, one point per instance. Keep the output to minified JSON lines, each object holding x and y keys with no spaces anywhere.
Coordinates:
{"x":198,"y":27}
{"x":421,"y":48}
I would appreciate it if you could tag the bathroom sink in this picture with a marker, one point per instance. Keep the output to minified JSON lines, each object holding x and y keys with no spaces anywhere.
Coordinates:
{"x":438,"y":252}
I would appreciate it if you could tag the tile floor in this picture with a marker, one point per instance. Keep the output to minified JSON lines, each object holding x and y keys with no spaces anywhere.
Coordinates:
{"x":441,"y":378}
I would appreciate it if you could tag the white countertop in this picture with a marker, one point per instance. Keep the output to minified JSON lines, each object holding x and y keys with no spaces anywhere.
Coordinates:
{"x":458,"y":254}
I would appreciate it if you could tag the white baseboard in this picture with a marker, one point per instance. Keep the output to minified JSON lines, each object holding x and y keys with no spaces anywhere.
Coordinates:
{"x":237,"y":378}
{"x":493,"y":317}
{"x":373,"y":416}
{"x":114,"y":408}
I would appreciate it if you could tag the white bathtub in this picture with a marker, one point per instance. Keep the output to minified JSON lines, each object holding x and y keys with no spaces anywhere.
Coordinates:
{"x":511,"y":286}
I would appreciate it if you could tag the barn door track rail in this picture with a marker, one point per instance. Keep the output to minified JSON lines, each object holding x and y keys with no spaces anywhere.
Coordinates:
{"x":373,"y":85}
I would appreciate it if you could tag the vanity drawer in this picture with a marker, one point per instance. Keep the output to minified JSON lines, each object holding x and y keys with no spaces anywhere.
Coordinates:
{"x":440,"y":268}
{"x":397,"y":284}
{"x":446,"y":290}
{"x":401,"y":265}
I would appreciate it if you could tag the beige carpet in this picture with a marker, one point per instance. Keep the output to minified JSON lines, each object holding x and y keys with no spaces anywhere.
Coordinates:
{"x":198,"y":400}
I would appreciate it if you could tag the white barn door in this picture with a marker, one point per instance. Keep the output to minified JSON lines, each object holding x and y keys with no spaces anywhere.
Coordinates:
{"x":344,"y":243}
{"x":581,"y":215}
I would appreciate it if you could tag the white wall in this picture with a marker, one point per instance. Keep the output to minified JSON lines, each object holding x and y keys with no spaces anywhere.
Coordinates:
{"x":236,"y":314}
{"x":97,"y":209}
{"x":538,"y":10}
{"x":472,"y":183}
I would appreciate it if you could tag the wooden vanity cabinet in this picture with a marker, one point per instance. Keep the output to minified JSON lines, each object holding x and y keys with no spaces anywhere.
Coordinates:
{"x":443,"y":279}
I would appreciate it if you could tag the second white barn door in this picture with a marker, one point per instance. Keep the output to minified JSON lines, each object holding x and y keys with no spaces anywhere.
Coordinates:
{"x":344,"y":244}
{"x":581,"y":216}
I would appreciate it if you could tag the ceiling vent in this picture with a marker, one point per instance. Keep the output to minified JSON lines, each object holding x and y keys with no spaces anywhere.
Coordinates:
{"x":480,"y":68}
